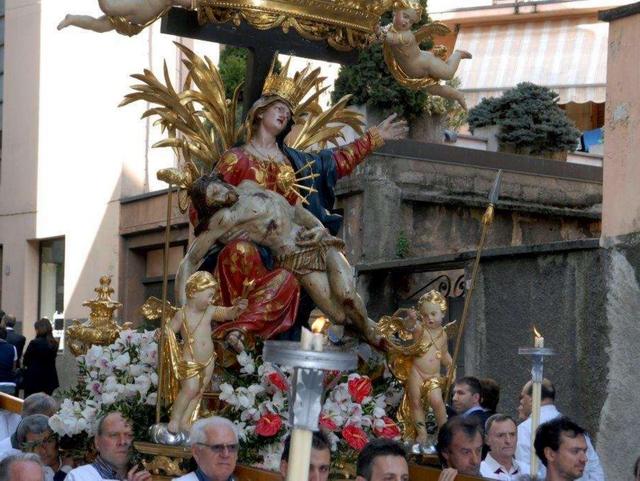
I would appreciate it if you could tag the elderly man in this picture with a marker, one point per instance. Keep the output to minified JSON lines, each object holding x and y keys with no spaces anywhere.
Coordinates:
{"x":214,"y":444}
{"x":561,"y":445}
{"x":501,"y":437}
{"x":113,"y":440}
{"x":382,"y":460}
{"x":35,"y":436}
{"x":36,"y":403}
{"x":459,"y":448}
{"x":21,"y":467}
{"x":548,"y":411}
{"x":320,"y":461}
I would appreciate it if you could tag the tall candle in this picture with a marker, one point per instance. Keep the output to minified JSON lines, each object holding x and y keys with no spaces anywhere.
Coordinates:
{"x":538,"y":340}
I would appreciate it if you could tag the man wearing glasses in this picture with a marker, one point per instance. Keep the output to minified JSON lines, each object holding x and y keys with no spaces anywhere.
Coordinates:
{"x":35,"y":436}
{"x":214,"y":444}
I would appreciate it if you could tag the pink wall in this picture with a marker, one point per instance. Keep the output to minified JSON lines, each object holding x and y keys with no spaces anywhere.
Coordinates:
{"x":621,"y":193}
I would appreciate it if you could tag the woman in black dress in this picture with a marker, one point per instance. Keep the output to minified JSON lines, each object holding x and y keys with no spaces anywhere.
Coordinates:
{"x":40,"y":361}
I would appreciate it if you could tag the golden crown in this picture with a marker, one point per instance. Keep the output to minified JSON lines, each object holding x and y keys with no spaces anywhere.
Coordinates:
{"x":291,"y":89}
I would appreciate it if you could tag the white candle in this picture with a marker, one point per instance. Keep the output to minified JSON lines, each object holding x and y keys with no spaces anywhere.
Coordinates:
{"x":538,"y":340}
{"x":306,"y":339}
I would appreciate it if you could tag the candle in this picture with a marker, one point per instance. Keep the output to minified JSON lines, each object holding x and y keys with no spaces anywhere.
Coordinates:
{"x":318,"y":328}
{"x":538,"y":340}
{"x":306,"y":339}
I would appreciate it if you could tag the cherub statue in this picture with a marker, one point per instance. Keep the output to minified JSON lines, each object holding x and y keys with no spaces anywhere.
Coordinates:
{"x":417,"y":347}
{"x":415,"y":68}
{"x":127,"y":17}
{"x":192,"y":363}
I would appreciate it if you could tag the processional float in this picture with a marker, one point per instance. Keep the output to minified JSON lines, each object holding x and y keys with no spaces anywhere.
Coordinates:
{"x":201,"y":123}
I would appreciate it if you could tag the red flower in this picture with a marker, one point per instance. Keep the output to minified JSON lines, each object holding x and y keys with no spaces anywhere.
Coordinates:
{"x":278,"y":381}
{"x":327,"y":423}
{"x":355,"y":437}
{"x":389,"y":431}
{"x":269,"y":425}
{"x":330,"y":376}
{"x":359,"y":388}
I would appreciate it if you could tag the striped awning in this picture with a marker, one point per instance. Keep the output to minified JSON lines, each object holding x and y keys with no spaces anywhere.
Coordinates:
{"x":568,"y":56}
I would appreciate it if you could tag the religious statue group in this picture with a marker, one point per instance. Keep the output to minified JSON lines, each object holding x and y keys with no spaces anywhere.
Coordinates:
{"x":265,"y":228}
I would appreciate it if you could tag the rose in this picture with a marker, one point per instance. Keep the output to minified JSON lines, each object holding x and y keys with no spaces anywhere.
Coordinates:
{"x":389,"y":429}
{"x":277,"y":380}
{"x":269,"y":425}
{"x":360,"y":388}
{"x":327,"y":423}
{"x":355,"y":437}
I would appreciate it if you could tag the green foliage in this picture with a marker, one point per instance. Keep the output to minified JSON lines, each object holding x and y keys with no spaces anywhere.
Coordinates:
{"x":403,"y":246}
{"x":529,"y":118}
{"x":233,"y":68}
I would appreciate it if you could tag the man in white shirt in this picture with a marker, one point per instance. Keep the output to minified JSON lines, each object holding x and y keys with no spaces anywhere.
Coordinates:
{"x":548,"y":412}
{"x":501,"y":437}
{"x":36,"y":403}
{"x":113,"y":441}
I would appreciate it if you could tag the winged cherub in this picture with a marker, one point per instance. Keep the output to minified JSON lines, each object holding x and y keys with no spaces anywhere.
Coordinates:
{"x":415,"y":68}
{"x":127,"y":17}
{"x":418,"y":350}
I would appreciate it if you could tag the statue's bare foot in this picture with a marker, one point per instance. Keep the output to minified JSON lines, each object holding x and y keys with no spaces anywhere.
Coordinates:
{"x":173,"y":427}
{"x":465,"y":54}
{"x":65,"y":22}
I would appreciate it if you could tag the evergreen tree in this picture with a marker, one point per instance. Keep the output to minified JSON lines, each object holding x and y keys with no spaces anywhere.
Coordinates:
{"x":529,"y":118}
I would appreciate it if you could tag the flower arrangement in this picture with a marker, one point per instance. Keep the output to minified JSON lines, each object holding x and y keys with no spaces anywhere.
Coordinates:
{"x":355,"y":411}
{"x":122,"y":377}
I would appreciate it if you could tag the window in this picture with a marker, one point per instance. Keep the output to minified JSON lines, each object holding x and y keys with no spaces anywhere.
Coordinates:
{"x":51,"y":279}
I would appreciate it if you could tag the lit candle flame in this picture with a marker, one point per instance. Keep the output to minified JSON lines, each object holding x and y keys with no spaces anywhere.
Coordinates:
{"x":535,"y":332}
{"x":319,"y":325}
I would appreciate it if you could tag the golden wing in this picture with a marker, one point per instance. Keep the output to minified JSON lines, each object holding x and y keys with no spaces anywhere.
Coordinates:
{"x":327,"y":127}
{"x":200,"y":121}
{"x":152,"y":309}
{"x":431,"y":29}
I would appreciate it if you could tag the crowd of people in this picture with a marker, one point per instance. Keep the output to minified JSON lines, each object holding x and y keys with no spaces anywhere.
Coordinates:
{"x":476,"y":440}
{"x":31,"y":451}
{"x":36,"y":370}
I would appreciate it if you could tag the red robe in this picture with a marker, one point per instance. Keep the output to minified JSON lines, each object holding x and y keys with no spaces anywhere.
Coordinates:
{"x":273,"y":295}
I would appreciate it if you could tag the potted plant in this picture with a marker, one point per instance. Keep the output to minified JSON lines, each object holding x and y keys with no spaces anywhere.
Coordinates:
{"x":525,"y":120}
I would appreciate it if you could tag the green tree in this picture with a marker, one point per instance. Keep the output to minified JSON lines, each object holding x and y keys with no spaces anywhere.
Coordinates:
{"x":233,"y":68}
{"x":529,"y":118}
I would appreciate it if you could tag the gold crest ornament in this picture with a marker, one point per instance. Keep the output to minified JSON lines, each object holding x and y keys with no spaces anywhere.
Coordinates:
{"x":409,"y":4}
{"x":343,"y":24}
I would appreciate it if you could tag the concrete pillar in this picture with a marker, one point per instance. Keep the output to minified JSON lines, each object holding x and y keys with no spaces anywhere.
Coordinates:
{"x":621,"y":239}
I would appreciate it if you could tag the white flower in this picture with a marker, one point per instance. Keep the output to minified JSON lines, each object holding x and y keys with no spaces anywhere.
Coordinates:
{"x":109,"y":398}
{"x":378,"y":412}
{"x":152,"y":399}
{"x":122,"y":361}
{"x":271,"y":455}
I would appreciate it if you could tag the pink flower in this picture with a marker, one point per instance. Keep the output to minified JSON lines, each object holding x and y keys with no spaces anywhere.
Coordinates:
{"x":355,"y":437}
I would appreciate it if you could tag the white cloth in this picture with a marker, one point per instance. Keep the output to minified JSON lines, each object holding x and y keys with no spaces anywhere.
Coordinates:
{"x":187,"y":477}
{"x":8,"y":423}
{"x":592,"y":471}
{"x":84,"y":473}
{"x":6,"y":449}
{"x":492,"y":469}
{"x":49,"y":473}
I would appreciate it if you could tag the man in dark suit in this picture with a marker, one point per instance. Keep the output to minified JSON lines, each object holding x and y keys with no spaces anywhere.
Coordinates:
{"x":467,"y":394}
{"x":14,"y":338}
